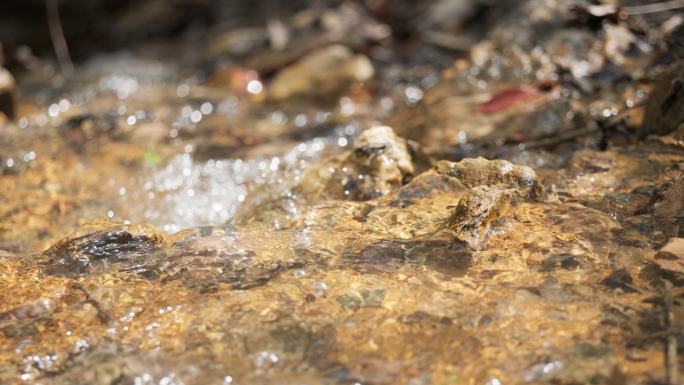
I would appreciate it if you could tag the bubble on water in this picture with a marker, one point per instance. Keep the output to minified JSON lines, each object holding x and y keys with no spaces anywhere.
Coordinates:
{"x":387,"y":103}
{"x":319,"y":289}
{"x":299,"y":273}
{"x":143,"y":379}
{"x":206,"y":108}
{"x":274,"y":164}
{"x":265,"y":358}
{"x":53,"y":110}
{"x":81,"y":346}
{"x":347,"y":106}
{"x":22,"y":344}
{"x":300,"y":120}
{"x":539,"y":371}
{"x":41,"y":120}
{"x":350,"y":129}
{"x":185,"y":193}
{"x":64,"y":105}
{"x":279,"y":117}
{"x":254,"y":87}
{"x":195,"y":116}
{"x":229,"y":106}
{"x":413,"y":95}
{"x":182,"y":90}
{"x":170,"y":379}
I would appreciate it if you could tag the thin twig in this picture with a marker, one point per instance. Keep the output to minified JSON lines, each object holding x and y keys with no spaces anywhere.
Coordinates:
{"x":559,"y":138}
{"x":57,"y":36}
{"x":671,"y":361}
{"x":653,"y":7}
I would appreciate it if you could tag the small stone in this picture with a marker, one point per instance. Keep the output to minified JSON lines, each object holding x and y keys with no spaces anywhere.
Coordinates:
{"x":672,"y":204}
{"x":378,"y":163}
{"x":480,"y":171}
{"x":326,"y":71}
{"x":670,"y":211}
{"x":477,"y":210}
{"x":495,"y":187}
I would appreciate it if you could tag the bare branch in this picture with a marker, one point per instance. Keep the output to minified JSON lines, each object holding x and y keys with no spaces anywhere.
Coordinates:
{"x":57,"y":36}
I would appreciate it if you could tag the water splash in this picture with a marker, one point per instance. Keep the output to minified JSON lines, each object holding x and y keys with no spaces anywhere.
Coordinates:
{"x":187,"y":193}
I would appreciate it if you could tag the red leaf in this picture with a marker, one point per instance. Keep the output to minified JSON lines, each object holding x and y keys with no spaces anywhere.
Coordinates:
{"x":507,"y":98}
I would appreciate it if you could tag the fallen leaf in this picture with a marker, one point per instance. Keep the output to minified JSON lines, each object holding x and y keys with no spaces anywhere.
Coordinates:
{"x":507,"y":98}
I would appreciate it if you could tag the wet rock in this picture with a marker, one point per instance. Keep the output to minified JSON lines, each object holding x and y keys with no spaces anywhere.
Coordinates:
{"x":99,"y":245}
{"x":671,"y":256}
{"x":440,"y":253}
{"x":206,"y":262}
{"x":233,"y":79}
{"x":620,"y":279}
{"x":7,"y":94}
{"x":323,"y":72}
{"x":590,"y":173}
{"x":664,"y":113}
{"x":618,"y":40}
{"x":378,"y":163}
{"x":574,"y":52}
{"x":82,"y":130}
{"x":583,"y":363}
{"x":14,"y":163}
{"x":623,"y":205}
{"x":238,"y":41}
{"x":199,"y":261}
{"x":480,"y":171}
{"x":21,"y":320}
{"x":105,"y":364}
{"x":495,"y":188}
{"x":563,"y":261}
{"x":481,"y":208}
{"x":367,"y":297}
{"x":670,"y":210}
